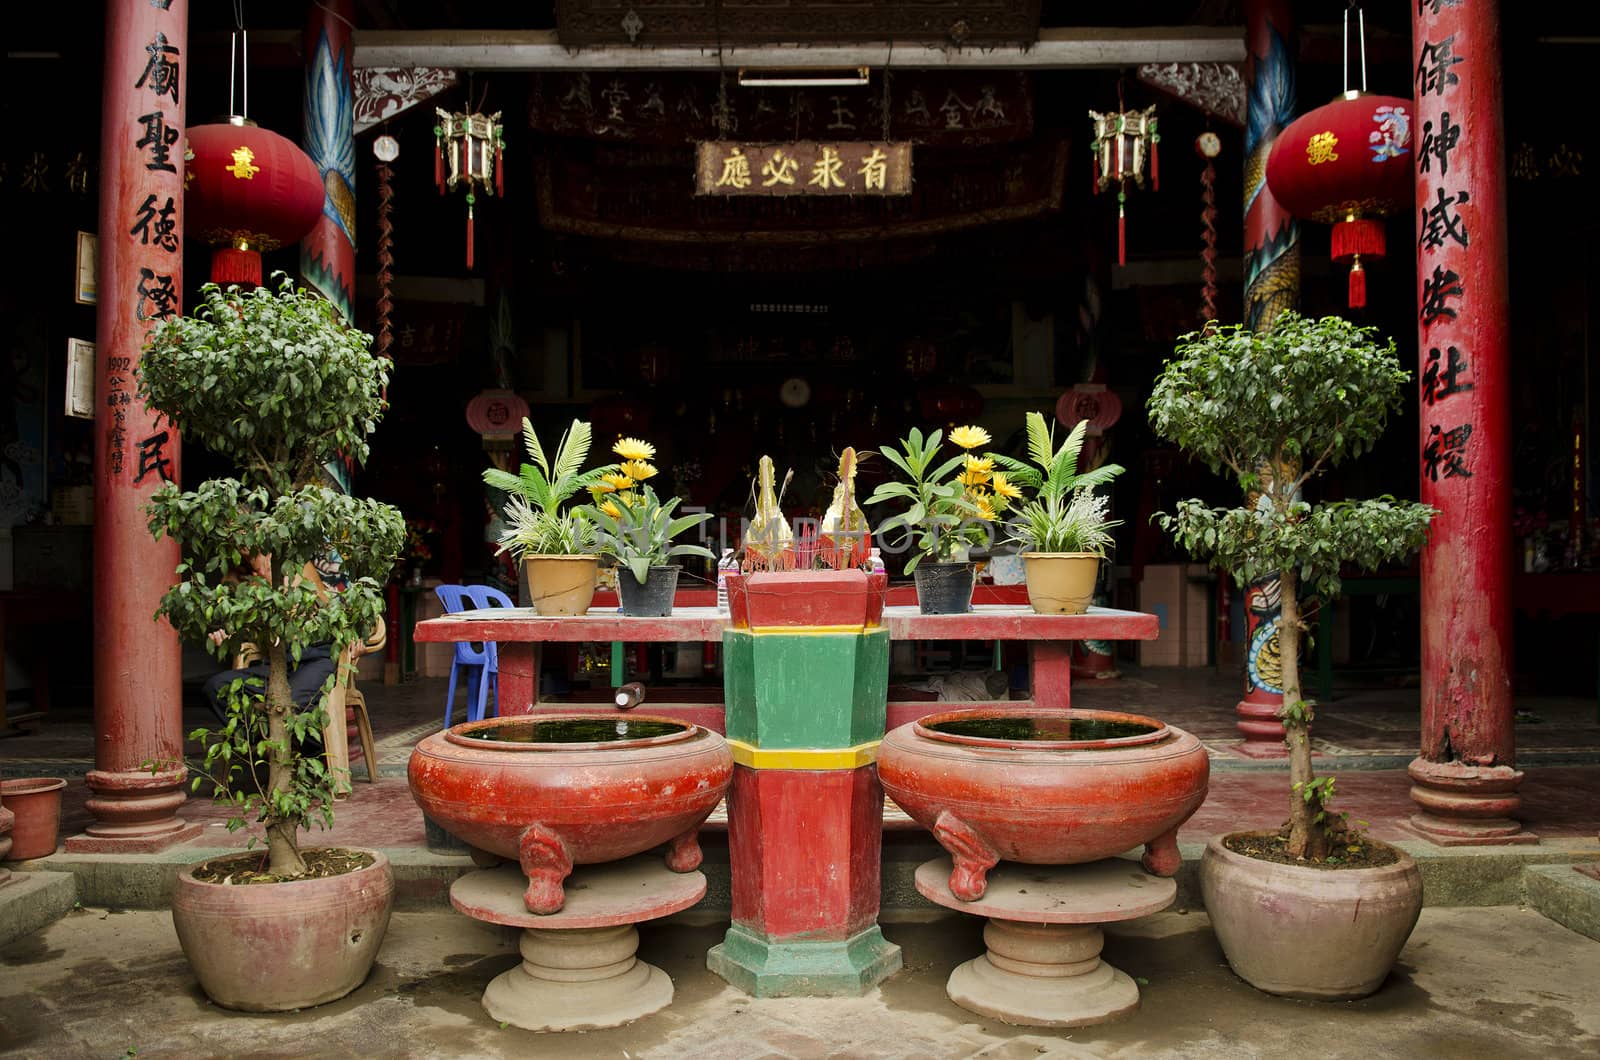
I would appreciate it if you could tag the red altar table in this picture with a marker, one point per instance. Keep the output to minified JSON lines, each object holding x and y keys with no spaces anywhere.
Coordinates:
{"x":520,"y":635}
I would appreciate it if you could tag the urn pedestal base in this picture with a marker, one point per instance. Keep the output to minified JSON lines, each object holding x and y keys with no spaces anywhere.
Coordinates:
{"x":1042,"y":967}
{"x":579,"y":967}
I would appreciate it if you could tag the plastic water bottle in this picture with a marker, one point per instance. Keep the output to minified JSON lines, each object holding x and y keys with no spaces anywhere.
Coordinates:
{"x":724,"y":565}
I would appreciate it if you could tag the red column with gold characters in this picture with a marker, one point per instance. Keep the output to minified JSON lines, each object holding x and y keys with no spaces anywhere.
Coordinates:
{"x":137,"y":784}
{"x":1465,"y":780}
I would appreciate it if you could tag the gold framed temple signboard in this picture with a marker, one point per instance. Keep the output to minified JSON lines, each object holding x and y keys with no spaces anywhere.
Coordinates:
{"x":728,"y":167}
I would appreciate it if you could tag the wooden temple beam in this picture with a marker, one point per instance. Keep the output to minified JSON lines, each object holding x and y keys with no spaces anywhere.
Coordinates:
{"x":1057,"y":48}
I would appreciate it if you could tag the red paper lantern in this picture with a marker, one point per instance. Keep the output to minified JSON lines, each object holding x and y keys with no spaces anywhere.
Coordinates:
{"x":1347,"y":164}
{"x":249,"y":190}
{"x":496,"y":414}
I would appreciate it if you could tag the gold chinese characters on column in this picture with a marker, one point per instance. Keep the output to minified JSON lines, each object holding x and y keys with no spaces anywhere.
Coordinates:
{"x":725,"y":167}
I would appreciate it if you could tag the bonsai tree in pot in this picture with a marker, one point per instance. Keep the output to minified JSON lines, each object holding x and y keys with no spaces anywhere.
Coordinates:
{"x":951,"y":506}
{"x":273,"y":379}
{"x":1296,"y":400}
{"x":557,"y":546}
{"x":637,"y":529}
{"x":1064,"y":531}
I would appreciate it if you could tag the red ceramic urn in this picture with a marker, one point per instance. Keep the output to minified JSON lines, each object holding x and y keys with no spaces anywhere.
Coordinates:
{"x":1044,"y":787}
{"x":557,"y":790}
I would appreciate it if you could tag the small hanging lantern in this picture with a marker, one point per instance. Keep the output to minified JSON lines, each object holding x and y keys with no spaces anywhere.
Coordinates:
{"x":1124,"y":141}
{"x":1347,"y":164}
{"x":470,"y":149}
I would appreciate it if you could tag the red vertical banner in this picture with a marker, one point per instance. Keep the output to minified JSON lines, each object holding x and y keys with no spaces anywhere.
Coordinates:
{"x":137,"y":784}
{"x":1465,"y":778}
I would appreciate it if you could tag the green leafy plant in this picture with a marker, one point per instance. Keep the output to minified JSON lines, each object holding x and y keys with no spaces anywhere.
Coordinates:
{"x":536,"y":523}
{"x":1276,"y":409}
{"x":951,"y":504}
{"x":275,"y":380}
{"x":637,"y":528}
{"x":1066,"y":515}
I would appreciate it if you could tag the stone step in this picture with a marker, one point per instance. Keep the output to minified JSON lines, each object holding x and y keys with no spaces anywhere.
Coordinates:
{"x":1567,"y":894}
{"x":32,"y":900}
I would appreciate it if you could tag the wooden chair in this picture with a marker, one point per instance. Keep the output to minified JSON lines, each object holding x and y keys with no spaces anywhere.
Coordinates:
{"x":345,"y":703}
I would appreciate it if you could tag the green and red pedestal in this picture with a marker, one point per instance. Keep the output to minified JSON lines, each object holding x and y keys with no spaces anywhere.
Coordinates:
{"x":806,"y":708}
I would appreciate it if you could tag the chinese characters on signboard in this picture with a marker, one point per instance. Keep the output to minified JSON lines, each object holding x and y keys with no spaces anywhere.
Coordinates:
{"x":726,"y":167}
{"x":1444,"y":243}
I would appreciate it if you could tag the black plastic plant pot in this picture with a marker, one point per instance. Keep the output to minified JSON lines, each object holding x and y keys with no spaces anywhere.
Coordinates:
{"x":653,"y":599}
{"x":944,"y":588}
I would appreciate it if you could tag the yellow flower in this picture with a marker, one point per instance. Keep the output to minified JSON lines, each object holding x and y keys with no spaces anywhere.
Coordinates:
{"x":634,"y":449}
{"x":598,"y":488}
{"x":969,"y":437}
{"x":638,"y":470}
{"x":617,"y":482}
{"x":611,"y":509}
{"x":980,"y":464}
{"x":1004,"y":486}
{"x":985,"y":509}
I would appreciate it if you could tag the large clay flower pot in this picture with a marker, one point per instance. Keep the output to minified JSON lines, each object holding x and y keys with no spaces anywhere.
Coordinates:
{"x":556,"y":790}
{"x":651,"y":598}
{"x":36,"y":802}
{"x":561,"y":585}
{"x":1325,"y":934}
{"x":1044,"y":787}
{"x":1061,"y":583}
{"x":944,"y":588}
{"x":272,"y":947}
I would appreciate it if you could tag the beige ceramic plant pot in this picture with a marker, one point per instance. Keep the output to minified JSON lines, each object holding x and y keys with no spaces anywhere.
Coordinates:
{"x":1061,"y":583}
{"x":561,"y":585}
{"x":1324,"y":934}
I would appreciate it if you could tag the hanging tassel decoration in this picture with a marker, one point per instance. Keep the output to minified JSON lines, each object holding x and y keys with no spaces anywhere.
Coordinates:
{"x":1122,"y":228}
{"x":1155,"y":157}
{"x":499,"y":171}
{"x":438,"y":157}
{"x":470,"y":226}
{"x":1358,"y":285}
{"x":1094,"y":189}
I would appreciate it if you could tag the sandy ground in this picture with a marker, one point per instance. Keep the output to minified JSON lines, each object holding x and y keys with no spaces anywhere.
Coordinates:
{"x":1472,"y":983}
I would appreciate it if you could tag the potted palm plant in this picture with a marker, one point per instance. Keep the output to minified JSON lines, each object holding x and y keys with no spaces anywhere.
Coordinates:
{"x":951,"y":506}
{"x":1317,"y":909}
{"x":1064,"y":531}
{"x":276,"y":380}
{"x":556,"y":544}
{"x":637,"y":528}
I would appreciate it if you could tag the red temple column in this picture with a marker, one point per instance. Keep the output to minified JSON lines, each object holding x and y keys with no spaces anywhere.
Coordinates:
{"x":1271,"y":285}
{"x":136,"y":786}
{"x":328,"y":253}
{"x":1465,"y":778}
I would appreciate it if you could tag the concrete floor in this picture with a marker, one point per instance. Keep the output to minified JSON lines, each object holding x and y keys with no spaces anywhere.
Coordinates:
{"x":1497,"y":982}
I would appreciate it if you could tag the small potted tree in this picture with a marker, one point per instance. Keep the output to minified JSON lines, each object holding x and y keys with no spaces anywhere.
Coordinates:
{"x":1316,"y":910}
{"x":273,"y":379}
{"x":1064,"y":530}
{"x":637,"y":528}
{"x":951,"y":506}
{"x":557,"y":547}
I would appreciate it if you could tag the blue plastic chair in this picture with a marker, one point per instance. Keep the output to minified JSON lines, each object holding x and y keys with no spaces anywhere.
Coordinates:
{"x":480,"y":661}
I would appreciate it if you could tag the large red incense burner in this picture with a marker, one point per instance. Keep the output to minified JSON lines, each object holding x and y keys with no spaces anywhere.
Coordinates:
{"x":1044,"y":787}
{"x":557,"y":790}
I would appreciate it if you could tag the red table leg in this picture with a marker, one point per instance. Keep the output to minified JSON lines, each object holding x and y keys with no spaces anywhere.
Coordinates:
{"x":519,"y":677}
{"x":1050,"y":672}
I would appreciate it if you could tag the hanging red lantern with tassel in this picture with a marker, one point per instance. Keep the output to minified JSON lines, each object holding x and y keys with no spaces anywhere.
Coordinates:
{"x":1347,"y":164}
{"x":249,"y":191}
{"x":470,"y":150}
{"x":1124,"y":142}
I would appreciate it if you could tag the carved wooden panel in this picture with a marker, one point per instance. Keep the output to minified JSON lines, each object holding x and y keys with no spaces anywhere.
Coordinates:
{"x":710,"y":22}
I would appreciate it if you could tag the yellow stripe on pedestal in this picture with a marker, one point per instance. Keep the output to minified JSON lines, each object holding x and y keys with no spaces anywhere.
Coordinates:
{"x":804,"y":757}
{"x":807,"y":631}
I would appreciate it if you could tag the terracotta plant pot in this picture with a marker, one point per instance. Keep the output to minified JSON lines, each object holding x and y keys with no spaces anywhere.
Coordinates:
{"x":36,"y":802}
{"x":650,"y":599}
{"x":1324,"y":934}
{"x":1061,"y":583}
{"x":1027,"y":794}
{"x":272,"y":947}
{"x":561,"y":585}
{"x":551,"y":794}
{"x":944,"y":588}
